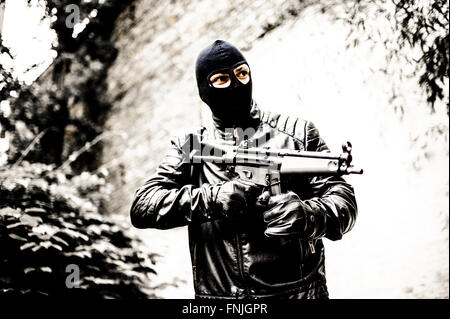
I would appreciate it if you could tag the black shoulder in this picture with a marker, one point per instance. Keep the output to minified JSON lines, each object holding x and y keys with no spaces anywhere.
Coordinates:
{"x":292,"y":126}
{"x":179,"y":140}
{"x":313,"y":140}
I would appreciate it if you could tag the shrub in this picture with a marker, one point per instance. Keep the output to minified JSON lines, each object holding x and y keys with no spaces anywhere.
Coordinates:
{"x":48,"y":222}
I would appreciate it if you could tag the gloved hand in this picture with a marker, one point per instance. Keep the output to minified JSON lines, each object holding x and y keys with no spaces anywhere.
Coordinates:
{"x":233,"y":198}
{"x":284,"y":216}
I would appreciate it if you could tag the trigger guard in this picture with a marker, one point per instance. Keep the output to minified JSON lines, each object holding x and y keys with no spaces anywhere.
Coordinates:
{"x":264,"y":197}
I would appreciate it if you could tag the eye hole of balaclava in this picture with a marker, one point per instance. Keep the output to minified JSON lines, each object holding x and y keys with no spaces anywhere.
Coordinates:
{"x":230,"y":105}
{"x":225,"y":78}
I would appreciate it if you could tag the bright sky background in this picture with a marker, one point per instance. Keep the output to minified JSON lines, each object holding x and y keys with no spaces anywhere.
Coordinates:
{"x":28,"y":37}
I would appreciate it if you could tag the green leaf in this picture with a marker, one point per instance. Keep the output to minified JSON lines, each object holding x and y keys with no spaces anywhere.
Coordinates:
{"x":8,"y":211}
{"x":80,"y":254}
{"x":35,"y":211}
{"x":27,"y":245}
{"x":45,"y":229}
{"x":15,"y":225}
{"x":76,"y":234}
{"x":29,"y":269}
{"x":36,"y":248}
{"x":94,"y":229}
{"x":46,"y":244}
{"x":60,"y":240}
{"x":17,"y":237}
{"x":57,"y":247}
{"x":100,"y":281}
{"x":46,"y":269}
{"x":30,"y":220}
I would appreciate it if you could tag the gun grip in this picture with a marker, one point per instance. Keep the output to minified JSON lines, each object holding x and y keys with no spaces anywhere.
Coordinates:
{"x":263,"y":199}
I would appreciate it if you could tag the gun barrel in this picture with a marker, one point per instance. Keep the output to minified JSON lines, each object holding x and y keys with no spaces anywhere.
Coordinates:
{"x":266,"y":152}
{"x":290,"y":153}
{"x":288,"y":161}
{"x":235,"y":160}
{"x":354,"y":170}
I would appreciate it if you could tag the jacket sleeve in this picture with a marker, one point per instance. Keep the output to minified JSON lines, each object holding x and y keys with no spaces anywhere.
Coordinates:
{"x":331,"y":209}
{"x":168,"y":199}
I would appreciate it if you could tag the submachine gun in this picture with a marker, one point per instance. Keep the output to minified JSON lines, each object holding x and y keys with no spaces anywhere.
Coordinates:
{"x":266,"y":166}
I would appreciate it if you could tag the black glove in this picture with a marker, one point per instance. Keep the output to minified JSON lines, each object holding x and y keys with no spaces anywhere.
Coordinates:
{"x":233,"y":198}
{"x":285,"y":216}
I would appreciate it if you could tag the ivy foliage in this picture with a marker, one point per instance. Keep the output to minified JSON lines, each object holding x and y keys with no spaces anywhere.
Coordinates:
{"x":66,"y":107}
{"x":425,"y":24}
{"x":413,"y":33}
{"x":51,"y":221}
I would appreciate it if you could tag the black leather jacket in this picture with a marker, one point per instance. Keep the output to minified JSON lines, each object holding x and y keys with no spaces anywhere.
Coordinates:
{"x":236,"y":260}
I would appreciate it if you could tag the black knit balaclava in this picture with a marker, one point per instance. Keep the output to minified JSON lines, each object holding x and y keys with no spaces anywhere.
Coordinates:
{"x":230,"y":106}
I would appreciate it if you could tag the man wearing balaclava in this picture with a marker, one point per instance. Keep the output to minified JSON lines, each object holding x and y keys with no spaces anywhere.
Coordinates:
{"x":241,"y":248}
{"x":223,"y":86}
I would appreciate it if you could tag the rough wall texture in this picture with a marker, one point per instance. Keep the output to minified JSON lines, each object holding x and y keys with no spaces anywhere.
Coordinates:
{"x":399,"y":247}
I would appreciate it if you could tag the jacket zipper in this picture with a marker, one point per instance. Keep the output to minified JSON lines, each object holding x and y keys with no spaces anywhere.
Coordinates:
{"x":241,"y":262}
{"x":312,"y":247}
{"x":238,"y":239}
{"x":302,"y":255}
{"x":194,"y":263}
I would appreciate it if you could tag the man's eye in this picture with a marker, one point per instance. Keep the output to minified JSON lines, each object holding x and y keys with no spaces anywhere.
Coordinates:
{"x":220,"y":80}
{"x":243,"y":73}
